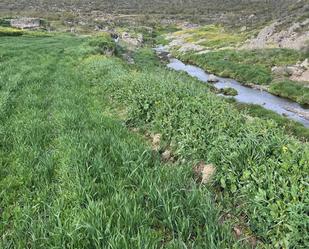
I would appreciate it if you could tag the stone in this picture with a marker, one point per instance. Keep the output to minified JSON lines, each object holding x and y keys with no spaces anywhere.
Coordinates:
{"x":156,"y":140}
{"x":243,"y":29}
{"x":26,"y":23}
{"x":212,"y":78}
{"x":166,"y":155}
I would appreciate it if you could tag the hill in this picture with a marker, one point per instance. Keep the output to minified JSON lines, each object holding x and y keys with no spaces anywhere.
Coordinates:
{"x":236,"y":12}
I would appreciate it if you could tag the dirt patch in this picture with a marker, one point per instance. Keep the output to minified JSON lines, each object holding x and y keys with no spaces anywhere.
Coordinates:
{"x":204,"y":172}
{"x":155,"y":141}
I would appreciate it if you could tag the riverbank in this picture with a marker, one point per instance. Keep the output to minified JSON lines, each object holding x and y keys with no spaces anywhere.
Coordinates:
{"x":244,"y":94}
{"x":281,"y":71}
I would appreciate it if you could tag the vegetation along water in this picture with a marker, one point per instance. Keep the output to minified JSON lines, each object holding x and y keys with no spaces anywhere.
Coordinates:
{"x":103,"y":146}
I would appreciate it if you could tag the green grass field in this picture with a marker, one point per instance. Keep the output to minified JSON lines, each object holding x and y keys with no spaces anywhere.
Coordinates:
{"x":73,"y":175}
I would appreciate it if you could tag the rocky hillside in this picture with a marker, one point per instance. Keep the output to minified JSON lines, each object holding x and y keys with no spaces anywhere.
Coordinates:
{"x":235,"y":12}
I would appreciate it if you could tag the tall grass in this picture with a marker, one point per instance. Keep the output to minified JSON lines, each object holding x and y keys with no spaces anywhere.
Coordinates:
{"x":292,"y":90}
{"x":71,"y":175}
{"x":262,"y":174}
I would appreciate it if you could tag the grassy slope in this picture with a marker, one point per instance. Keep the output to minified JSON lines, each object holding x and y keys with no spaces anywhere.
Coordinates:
{"x":72,"y":176}
{"x":75,"y":177}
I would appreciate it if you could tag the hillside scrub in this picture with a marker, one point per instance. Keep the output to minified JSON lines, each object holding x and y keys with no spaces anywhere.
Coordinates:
{"x":232,"y":12}
{"x":262,"y":174}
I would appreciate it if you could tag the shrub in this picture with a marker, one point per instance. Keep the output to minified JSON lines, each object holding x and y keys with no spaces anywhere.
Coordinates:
{"x":5,"y":22}
{"x":229,"y":91}
{"x":103,"y":44}
{"x":10,"y":32}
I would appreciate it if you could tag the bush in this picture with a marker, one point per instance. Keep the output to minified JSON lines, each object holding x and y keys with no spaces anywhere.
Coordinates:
{"x":229,"y":91}
{"x":5,"y":23}
{"x":10,"y":32}
{"x":103,"y":44}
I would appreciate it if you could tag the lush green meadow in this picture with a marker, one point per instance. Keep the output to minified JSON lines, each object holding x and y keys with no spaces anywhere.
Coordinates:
{"x":73,"y":175}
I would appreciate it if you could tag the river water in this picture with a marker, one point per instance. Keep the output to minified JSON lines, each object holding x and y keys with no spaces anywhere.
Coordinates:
{"x":246,"y":94}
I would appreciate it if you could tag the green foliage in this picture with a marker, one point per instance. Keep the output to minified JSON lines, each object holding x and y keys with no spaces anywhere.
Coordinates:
{"x":71,"y":175}
{"x":103,"y":43}
{"x":5,"y":22}
{"x":245,"y":66}
{"x":145,"y":57}
{"x":229,"y":91}
{"x":292,"y":90}
{"x":213,"y":37}
{"x":4,"y":31}
{"x":261,"y":172}
{"x":291,"y":127}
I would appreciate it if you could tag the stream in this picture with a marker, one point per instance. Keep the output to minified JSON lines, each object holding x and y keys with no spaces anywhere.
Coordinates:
{"x":282,"y":106}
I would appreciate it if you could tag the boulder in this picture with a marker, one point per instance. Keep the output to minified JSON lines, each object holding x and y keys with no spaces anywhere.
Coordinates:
{"x":305,"y":64}
{"x":26,"y":23}
{"x":280,"y":71}
{"x":212,"y":78}
{"x":243,"y":29}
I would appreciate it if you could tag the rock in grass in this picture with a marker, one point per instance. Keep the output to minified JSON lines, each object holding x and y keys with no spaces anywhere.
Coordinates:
{"x":212,"y":78}
{"x":167,"y":155}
